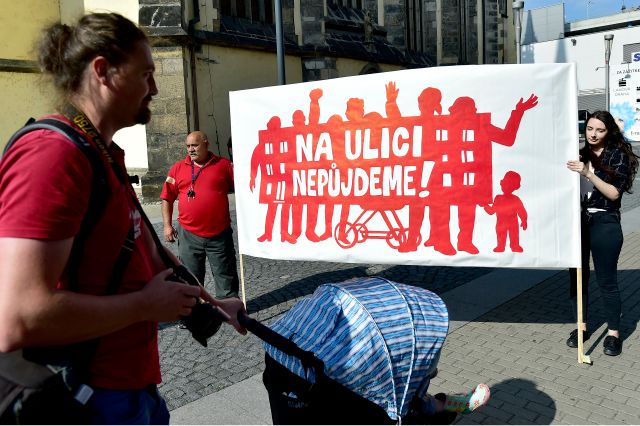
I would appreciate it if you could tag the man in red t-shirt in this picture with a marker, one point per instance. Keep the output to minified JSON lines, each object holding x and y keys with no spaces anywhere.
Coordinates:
{"x":200,"y":183}
{"x":104,"y":68}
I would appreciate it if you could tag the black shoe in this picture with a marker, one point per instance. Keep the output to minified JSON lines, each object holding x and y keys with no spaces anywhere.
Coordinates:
{"x":182,"y":325}
{"x":572,"y":341}
{"x":612,"y":346}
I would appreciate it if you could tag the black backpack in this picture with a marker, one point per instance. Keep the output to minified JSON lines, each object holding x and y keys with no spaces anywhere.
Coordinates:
{"x":46,"y":385}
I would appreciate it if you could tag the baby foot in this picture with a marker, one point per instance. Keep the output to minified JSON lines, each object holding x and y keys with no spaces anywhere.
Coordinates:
{"x":469,"y":402}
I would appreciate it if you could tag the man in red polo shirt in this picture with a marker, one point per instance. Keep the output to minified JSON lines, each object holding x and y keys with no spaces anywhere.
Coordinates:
{"x":103,"y":67}
{"x":201,"y":183}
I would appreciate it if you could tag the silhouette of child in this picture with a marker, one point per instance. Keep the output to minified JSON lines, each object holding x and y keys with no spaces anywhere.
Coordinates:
{"x":508,"y":207}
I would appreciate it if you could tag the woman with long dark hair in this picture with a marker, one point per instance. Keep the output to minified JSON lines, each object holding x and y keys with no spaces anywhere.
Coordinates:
{"x":607,"y":167}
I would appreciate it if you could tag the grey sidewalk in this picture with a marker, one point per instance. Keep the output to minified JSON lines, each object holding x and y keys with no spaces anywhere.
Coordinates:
{"x":508,"y":330}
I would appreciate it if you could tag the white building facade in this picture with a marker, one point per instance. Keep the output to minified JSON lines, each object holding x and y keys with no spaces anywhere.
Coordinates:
{"x":583,"y":42}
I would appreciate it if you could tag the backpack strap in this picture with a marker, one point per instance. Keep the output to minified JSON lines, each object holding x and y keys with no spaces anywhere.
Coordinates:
{"x":97,"y":201}
{"x":38,"y":369}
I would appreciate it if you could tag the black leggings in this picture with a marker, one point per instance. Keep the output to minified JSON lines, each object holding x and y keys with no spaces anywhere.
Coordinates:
{"x":602,"y":238}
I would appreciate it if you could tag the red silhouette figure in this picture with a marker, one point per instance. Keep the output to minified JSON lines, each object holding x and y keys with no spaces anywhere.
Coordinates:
{"x":360,"y":134}
{"x":275,"y":151}
{"x":292,"y":211}
{"x":462,"y":175}
{"x":312,"y":208}
{"x":354,"y":114}
{"x":429,"y":105}
{"x":508,"y":208}
{"x":270,"y":156}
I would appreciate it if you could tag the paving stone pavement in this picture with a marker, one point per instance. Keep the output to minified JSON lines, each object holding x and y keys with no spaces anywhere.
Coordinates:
{"x":191,"y":371}
{"x":518,"y":348}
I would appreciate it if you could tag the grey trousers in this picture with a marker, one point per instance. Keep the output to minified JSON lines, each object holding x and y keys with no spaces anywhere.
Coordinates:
{"x":194,"y":250}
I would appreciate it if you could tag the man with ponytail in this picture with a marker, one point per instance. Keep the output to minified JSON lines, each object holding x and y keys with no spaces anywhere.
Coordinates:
{"x":104,"y":70}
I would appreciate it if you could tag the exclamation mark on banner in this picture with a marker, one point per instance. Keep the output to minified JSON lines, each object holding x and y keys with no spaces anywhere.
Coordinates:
{"x":427,"y":168}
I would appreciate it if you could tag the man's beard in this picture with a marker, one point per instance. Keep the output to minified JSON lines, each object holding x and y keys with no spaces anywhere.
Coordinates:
{"x":143,"y":116}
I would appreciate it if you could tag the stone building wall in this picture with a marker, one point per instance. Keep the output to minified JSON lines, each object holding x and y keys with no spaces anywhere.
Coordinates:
{"x":315,"y":67}
{"x":168,"y":128}
{"x":371,"y":6}
{"x":288,"y":12}
{"x":169,"y":125}
{"x":459,"y":32}
{"x":491,"y":29}
{"x":319,"y":68}
{"x":394,"y":16}
{"x":450,"y":30}
{"x":430,"y":27}
{"x":312,"y":18}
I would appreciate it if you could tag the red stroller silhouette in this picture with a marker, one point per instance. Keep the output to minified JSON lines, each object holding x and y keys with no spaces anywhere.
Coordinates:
{"x":359,"y":230}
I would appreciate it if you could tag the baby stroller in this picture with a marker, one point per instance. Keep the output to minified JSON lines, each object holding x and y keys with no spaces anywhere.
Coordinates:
{"x":357,"y":352}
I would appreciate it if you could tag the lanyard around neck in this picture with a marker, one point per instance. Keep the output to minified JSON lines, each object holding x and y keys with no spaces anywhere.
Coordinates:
{"x":78,"y":118}
{"x":194,"y":175}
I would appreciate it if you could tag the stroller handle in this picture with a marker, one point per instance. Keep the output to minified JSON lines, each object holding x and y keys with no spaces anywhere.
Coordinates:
{"x":280,"y":342}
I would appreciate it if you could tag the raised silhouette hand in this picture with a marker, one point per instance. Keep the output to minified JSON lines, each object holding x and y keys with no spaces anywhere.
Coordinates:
{"x":392,"y":91}
{"x":528,"y":104}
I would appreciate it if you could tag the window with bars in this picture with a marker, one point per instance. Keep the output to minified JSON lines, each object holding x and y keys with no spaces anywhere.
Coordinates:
{"x":356,"y":4}
{"x":253,"y":10}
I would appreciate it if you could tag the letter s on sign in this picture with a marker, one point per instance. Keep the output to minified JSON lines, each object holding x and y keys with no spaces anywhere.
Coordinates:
{"x":636,"y":57}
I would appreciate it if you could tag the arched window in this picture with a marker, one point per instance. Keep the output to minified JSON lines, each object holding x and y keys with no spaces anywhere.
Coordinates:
{"x":370,"y":68}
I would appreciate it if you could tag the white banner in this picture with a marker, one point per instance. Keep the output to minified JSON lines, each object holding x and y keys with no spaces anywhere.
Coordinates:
{"x":460,"y":166}
{"x":625,"y":97}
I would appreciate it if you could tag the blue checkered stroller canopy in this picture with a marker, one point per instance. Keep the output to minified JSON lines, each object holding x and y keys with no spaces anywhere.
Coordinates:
{"x":378,"y":338}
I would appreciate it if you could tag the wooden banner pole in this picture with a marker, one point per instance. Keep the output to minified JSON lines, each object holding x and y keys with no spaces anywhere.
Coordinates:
{"x":582,"y":326}
{"x":244,"y":296}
